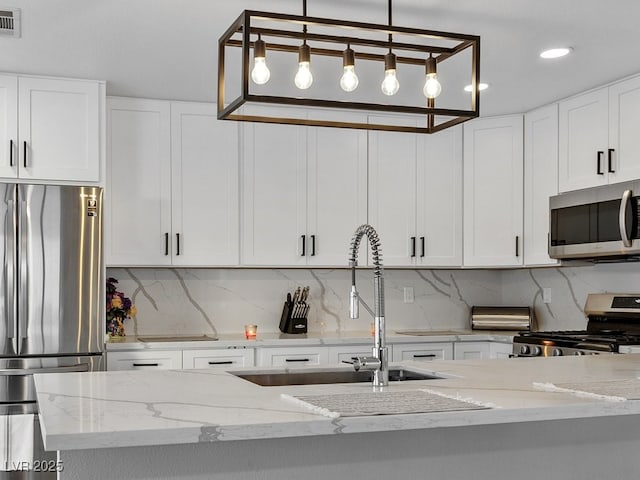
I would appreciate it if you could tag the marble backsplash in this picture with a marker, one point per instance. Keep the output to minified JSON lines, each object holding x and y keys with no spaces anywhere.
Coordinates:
{"x":199,"y":300}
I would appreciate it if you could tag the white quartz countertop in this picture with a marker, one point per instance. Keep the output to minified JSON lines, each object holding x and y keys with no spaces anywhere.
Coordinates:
{"x":136,"y":408}
{"x":313,"y":338}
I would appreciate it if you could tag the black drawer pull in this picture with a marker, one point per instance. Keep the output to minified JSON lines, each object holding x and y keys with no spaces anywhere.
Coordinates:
{"x":517,"y":246}
{"x":610,"y":160}
{"x":222,"y":362}
{"x":599,"y":163}
{"x":425,"y":355}
{"x":413,"y":247}
{"x":146,"y":364}
{"x":11,"y":153}
{"x":166,"y":243}
{"x":304,"y":245}
{"x":24,"y":158}
{"x":297,"y":360}
{"x":177,"y":244}
{"x":313,"y":245}
{"x":422,"y":247}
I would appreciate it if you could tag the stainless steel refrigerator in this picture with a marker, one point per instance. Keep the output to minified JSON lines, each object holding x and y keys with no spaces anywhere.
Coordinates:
{"x":51,"y":305}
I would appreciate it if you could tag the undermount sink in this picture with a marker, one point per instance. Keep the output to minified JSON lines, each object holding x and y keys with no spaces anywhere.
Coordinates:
{"x":177,"y":338}
{"x":316,"y":377}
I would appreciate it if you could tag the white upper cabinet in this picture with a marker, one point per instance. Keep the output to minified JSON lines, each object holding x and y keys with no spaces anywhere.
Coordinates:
{"x":493,"y":189}
{"x":415,"y":197}
{"x":138,"y":194}
{"x":304,"y":194}
{"x":540,"y":181}
{"x":50,"y":128}
{"x":204,"y":192}
{"x":599,"y":143}
{"x":173,"y":172}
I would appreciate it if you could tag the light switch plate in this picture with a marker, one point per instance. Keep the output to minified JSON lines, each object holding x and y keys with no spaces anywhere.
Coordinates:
{"x":546,"y":295}
{"x":408,"y":295}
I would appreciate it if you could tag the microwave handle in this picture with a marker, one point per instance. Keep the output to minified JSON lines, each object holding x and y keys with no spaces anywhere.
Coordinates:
{"x":624,"y":204}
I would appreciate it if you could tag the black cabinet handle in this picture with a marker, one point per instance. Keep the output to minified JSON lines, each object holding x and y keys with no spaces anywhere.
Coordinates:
{"x":599,"y":162}
{"x":177,"y":244}
{"x":146,"y":364}
{"x":425,"y":355}
{"x":313,"y":245}
{"x":11,"y":153}
{"x":610,"y":160}
{"x":304,"y":245}
{"x":225,"y":362}
{"x":517,"y":246}
{"x":166,"y":243}
{"x":421,"y":247}
{"x":297,"y":360}
{"x":24,"y":151}
{"x":413,"y":247}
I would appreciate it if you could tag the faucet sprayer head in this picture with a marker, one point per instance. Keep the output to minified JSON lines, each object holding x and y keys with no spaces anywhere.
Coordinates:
{"x":354,"y":303}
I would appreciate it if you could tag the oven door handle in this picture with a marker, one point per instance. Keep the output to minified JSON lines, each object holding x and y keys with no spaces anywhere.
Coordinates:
{"x":622,"y":218}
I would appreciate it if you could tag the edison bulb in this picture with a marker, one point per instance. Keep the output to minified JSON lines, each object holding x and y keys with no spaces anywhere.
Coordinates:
{"x":432,"y":87}
{"x":390,"y":84}
{"x":303,"y":79}
{"x":260,"y":73}
{"x":349,"y":79}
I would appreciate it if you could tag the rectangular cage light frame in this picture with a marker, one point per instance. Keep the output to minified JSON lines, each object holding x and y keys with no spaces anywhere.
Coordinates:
{"x":245,"y":26}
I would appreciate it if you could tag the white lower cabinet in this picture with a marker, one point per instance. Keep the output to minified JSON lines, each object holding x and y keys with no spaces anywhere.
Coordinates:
{"x":500,"y":350}
{"x":145,"y":360}
{"x":471,"y":350}
{"x":220,"y":359}
{"x":422,"y":352}
{"x":292,"y":356}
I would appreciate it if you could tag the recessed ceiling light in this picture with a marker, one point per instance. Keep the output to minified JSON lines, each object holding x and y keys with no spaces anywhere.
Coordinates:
{"x":481,"y":86}
{"x":556,"y":52}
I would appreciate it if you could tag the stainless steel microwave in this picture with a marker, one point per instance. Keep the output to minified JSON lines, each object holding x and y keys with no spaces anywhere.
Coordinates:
{"x":599,"y":222}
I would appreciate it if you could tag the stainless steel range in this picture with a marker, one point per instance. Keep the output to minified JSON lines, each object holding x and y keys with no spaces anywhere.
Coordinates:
{"x":613,"y":327}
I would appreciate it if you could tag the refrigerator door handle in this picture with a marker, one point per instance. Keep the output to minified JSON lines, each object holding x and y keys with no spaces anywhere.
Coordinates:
{"x":78,"y":367}
{"x":23,"y":288}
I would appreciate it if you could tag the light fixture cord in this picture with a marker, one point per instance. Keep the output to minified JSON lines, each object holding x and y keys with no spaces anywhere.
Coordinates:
{"x":304,"y":14}
{"x":389,"y":12}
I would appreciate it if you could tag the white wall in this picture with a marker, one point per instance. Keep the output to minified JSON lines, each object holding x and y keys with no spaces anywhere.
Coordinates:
{"x":182,"y":301}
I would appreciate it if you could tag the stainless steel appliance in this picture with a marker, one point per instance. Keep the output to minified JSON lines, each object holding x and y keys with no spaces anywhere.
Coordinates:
{"x":51,"y":307}
{"x":596,"y":222}
{"x":501,"y":318}
{"x":613,"y":327}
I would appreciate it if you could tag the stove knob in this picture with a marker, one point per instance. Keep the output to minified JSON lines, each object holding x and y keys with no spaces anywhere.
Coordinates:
{"x":557,"y":352}
{"x":578,"y":352}
{"x":524,"y":349}
{"x":536,"y":351}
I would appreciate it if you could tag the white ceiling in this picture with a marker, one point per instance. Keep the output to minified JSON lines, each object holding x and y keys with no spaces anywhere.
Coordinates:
{"x":167,"y":48}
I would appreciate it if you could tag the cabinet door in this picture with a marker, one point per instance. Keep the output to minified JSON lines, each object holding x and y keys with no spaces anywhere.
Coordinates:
{"x":624,"y":120}
{"x":500,"y":350}
{"x":471,"y":350}
{"x":59,"y":128}
{"x":439,"y":194}
{"x":583,"y":132}
{"x":274,"y":195}
{"x":540,"y":181}
{"x":138,"y":214}
{"x":493,"y":191}
{"x":145,"y":360}
{"x":292,"y":356}
{"x":218,"y":359}
{"x":422,"y":352}
{"x":392,"y":195}
{"x":337,"y":192}
{"x":8,"y":126}
{"x":204,"y":194}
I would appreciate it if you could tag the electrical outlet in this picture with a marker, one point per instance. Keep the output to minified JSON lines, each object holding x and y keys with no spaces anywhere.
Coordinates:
{"x":546,"y":295}
{"x":408,"y":295}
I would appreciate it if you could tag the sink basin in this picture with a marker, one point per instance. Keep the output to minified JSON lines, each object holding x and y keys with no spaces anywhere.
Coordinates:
{"x":279,"y":379}
{"x":177,"y":338}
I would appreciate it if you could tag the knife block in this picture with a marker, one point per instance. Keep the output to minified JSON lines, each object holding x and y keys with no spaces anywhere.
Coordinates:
{"x":293,"y":324}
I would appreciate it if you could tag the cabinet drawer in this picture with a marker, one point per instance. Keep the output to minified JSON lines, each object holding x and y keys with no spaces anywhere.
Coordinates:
{"x":471,"y":350}
{"x":164,"y":360}
{"x":222,"y":359}
{"x":345,"y":353}
{"x":292,"y":357}
{"x":422,"y":352}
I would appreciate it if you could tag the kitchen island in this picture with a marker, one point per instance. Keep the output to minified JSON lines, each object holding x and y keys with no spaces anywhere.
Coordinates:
{"x":196,"y":424}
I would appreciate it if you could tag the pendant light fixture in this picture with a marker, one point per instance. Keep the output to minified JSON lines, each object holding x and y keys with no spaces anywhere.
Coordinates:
{"x":421,"y":53}
{"x":260,"y":73}
{"x":349,"y":80}
{"x":432,"y":87}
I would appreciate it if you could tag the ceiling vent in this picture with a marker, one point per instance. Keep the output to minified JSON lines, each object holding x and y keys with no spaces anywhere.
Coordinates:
{"x":10,"y":22}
